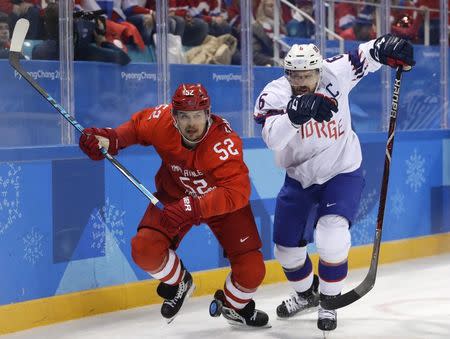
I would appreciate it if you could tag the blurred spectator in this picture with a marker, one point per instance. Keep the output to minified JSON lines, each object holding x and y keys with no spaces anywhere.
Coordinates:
{"x":4,"y":36}
{"x":213,"y":12}
{"x":122,"y":10}
{"x":87,"y":5}
{"x":362,"y":30}
{"x":120,"y":33}
{"x":233,"y":9}
{"x":216,"y":16}
{"x":89,"y":40}
{"x":196,"y":29}
{"x":260,"y":38}
{"x":263,"y":33}
{"x":213,"y":50}
{"x":406,"y":22}
{"x":434,"y":19}
{"x":407,"y":27}
{"x":28,"y":9}
{"x":141,"y":17}
{"x":49,"y":49}
{"x":299,"y":26}
{"x":175,"y":24}
{"x":108,"y":6}
{"x":344,"y":16}
{"x":285,"y":12}
{"x":202,"y":17}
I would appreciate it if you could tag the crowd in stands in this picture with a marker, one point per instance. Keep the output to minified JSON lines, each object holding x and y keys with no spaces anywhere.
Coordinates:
{"x":4,"y":36}
{"x":201,"y":31}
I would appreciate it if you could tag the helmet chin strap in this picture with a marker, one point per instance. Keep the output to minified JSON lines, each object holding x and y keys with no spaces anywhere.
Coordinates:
{"x":191,"y":143}
{"x":318,"y":80}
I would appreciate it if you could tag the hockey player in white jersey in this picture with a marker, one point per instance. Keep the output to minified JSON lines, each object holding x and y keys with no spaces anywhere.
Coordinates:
{"x":306,"y":122}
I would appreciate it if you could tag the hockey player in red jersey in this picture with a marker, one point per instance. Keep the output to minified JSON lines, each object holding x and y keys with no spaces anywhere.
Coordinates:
{"x":202,"y":179}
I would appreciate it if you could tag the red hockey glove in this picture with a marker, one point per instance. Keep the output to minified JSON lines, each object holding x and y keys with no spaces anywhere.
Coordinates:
{"x":93,"y":138}
{"x":180,"y":214}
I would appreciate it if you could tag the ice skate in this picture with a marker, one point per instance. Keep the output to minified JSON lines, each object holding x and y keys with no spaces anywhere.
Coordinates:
{"x":175,"y":296}
{"x":327,"y":320}
{"x":249,"y":316}
{"x":299,"y":303}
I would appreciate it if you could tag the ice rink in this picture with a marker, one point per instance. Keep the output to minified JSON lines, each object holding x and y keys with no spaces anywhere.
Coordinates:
{"x":410,"y":300}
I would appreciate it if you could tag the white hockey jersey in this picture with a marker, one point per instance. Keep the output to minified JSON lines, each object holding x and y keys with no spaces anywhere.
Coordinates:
{"x":316,"y":152}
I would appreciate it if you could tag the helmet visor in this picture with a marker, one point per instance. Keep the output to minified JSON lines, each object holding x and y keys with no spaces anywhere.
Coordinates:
{"x":303,"y":81}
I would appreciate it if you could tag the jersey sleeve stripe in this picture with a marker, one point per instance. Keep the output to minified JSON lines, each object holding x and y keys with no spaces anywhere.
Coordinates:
{"x":260,"y":118}
{"x":358,"y":64}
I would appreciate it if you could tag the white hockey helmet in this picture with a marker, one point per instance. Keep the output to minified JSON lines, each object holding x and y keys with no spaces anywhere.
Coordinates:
{"x":303,"y":58}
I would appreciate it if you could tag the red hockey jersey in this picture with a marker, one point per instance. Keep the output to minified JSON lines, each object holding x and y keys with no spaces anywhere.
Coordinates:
{"x":214,"y":171}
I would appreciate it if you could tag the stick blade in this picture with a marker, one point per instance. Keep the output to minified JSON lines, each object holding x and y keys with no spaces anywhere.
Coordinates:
{"x":353,"y":295}
{"x":19,"y":34}
{"x":341,"y":301}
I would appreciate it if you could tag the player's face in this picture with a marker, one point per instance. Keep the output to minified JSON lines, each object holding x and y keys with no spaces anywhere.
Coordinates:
{"x":192,"y":124}
{"x":4,"y":32}
{"x":303,"y":82}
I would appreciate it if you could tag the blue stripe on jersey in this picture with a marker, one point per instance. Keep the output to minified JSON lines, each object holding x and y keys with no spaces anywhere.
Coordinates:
{"x":358,"y":65}
{"x":260,"y":118}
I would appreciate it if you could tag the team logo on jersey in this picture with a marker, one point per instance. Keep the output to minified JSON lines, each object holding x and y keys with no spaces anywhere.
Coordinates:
{"x":329,"y":130}
{"x":187,"y":204}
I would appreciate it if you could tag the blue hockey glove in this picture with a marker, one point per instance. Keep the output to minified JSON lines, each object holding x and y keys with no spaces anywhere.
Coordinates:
{"x":301,"y":109}
{"x":394,"y":52}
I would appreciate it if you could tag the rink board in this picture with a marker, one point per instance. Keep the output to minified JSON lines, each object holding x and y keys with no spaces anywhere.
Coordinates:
{"x":66,"y":222}
{"x":46,"y":311}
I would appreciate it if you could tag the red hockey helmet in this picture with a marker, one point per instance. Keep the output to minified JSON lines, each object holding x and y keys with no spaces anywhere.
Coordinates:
{"x":190,"y":97}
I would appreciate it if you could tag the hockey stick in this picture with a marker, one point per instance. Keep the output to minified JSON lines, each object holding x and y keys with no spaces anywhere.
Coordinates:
{"x":15,"y":52}
{"x":369,"y":281}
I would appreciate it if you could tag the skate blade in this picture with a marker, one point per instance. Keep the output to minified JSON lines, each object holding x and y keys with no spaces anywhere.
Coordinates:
{"x":247,"y":327}
{"x":326,"y":334}
{"x":189,"y":292}
{"x":298,"y":314}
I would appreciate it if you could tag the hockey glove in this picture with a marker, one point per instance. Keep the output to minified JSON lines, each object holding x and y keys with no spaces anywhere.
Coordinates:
{"x":93,"y":138}
{"x":180,"y":214}
{"x":301,"y":109}
{"x":393,"y":51}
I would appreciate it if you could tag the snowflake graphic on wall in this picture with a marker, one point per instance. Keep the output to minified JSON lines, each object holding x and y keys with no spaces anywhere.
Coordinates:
{"x":363,"y":231}
{"x":209,"y":233}
{"x":9,"y":195}
{"x":32,"y":243}
{"x":363,"y":228}
{"x":397,"y":203}
{"x":365,"y":205}
{"x":108,"y":216}
{"x":415,"y":171}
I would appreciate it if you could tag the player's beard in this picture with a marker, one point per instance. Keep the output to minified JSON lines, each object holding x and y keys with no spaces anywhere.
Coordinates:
{"x":192,"y":133}
{"x":300,"y":90}
{"x":186,"y":138}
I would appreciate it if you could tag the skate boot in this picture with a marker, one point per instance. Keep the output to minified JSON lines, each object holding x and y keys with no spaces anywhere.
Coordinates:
{"x":327,"y":318}
{"x":248,"y":316}
{"x":300,"y":302}
{"x":175,"y":296}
